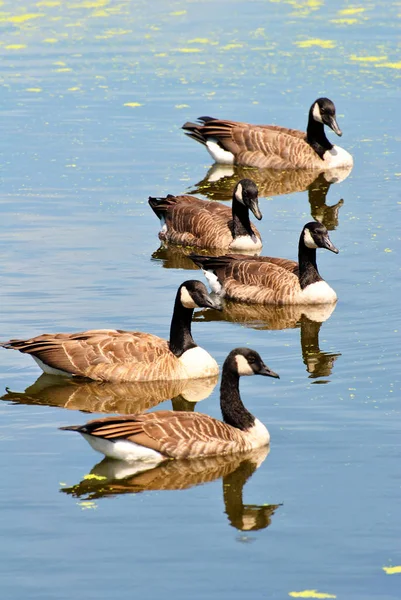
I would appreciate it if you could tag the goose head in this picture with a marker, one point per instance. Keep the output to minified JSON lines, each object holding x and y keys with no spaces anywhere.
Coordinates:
{"x":245,"y":361}
{"x":315,"y":235}
{"x":246,"y":193}
{"x":324,"y":111}
{"x":193,"y":294}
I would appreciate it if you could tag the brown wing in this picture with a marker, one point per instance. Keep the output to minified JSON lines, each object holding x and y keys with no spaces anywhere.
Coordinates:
{"x":173,"y":434}
{"x":263,"y":145}
{"x":285,"y":263}
{"x":199,"y":223}
{"x":255,"y":280}
{"x":104,"y":355}
{"x":259,"y":283}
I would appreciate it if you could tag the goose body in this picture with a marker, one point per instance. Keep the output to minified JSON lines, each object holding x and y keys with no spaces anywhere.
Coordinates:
{"x":189,"y":221}
{"x":156,"y":436}
{"x":116,"y":356}
{"x":272,"y":146}
{"x":268,"y":280}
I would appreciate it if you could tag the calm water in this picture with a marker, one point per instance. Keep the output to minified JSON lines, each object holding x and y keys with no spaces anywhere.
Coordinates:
{"x":93,"y":96}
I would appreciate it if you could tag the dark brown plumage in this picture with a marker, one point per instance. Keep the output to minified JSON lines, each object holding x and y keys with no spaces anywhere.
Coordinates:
{"x":189,"y":221}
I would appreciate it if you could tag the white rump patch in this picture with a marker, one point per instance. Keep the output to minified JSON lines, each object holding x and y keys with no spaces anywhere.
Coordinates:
{"x":198,"y":363}
{"x":214,"y":283}
{"x":316,"y":113}
{"x":246,"y":242}
{"x":218,"y":154}
{"x":186,"y":299}
{"x":243,"y":366}
{"x":308,"y":239}
{"x":123,"y":450}
{"x":338,"y":157}
{"x":163,"y":224}
{"x":238,"y":193}
{"x":50,"y":370}
{"x":318,"y":293}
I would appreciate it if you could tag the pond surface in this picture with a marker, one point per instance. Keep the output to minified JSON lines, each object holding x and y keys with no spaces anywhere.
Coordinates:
{"x":93,"y":97}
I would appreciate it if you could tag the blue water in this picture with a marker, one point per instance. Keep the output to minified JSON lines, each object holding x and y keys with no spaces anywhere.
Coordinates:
{"x":79,"y":159}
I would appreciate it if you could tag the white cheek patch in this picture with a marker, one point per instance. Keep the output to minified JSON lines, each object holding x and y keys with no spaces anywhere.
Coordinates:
{"x":308,"y":240}
{"x":316,"y":113}
{"x":244,"y":368}
{"x":186,"y":299}
{"x":238,"y":193}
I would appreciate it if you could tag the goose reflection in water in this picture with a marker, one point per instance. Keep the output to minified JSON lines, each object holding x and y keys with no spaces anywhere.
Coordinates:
{"x":122,"y":398}
{"x":111,"y":478}
{"x":220,"y":179}
{"x":309,"y":319}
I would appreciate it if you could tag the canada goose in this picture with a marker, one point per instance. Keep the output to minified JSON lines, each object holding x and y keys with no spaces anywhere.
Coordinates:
{"x":116,"y":355}
{"x":188,"y":221}
{"x":159,"y":435}
{"x":267,"y":280}
{"x":232,"y":142}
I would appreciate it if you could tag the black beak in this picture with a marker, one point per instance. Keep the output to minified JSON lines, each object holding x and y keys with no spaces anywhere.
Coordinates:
{"x":332,"y":123}
{"x":328,"y":244}
{"x":267,"y":372}
{"x":209,"y":302}
{"x":254,"y":207}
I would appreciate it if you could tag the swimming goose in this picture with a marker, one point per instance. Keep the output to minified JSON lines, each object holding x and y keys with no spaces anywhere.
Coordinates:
{"x":188,"y":221}
{"x":160,"y":435}
{"x":267,"y":280}
{"x":116,"y":355}
{"x":232,"y":142}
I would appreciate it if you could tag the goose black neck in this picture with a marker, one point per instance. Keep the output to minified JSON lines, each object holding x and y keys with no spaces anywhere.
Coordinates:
{"x":316,"y":137}
{"x":241,"y":222}
{"x":180,"y":331}
{"x":308,"y":272}
{"x":233,"y":411}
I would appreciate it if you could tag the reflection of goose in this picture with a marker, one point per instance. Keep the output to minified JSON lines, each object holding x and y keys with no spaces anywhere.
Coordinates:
{"x":267,"y":280}
{"x":111,"y":478}
{"x":272,"y":146}
{"x":116,"y":355}
{"x":318,"y":363}
{"x":121,"y":398}
{"x":219,"y":180}
{"x":189,"y":221}
{"x":308,"y":318}
{"x":159,"y":435}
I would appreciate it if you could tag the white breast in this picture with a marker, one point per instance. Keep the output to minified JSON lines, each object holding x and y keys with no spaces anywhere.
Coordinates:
{"x":258,"y":435}
{"x":218,"y":154}
{"x":318,"y":293}
{"x":245,"y":242}
{"x":338,"y":157}
{"x":123,"y":450}
{"x":198,"y":363}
